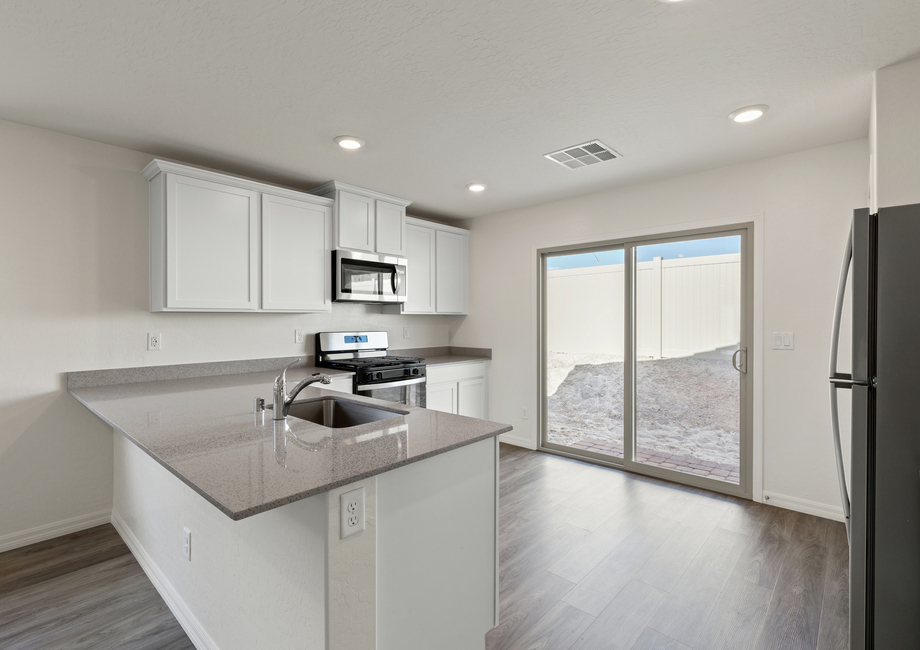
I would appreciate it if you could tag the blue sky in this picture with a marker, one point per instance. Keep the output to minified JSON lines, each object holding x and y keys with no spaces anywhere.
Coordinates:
{"x":673,"y":250}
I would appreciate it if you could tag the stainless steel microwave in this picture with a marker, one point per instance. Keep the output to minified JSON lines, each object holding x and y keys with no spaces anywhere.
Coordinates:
{"x":368,"y":277}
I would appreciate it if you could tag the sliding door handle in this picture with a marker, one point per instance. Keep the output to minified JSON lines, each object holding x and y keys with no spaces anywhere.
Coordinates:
{"x":739,"y":360}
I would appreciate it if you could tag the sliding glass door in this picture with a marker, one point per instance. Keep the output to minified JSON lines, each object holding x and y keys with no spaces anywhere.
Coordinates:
{"x":585,"y":298}
{"x":644,"y":356}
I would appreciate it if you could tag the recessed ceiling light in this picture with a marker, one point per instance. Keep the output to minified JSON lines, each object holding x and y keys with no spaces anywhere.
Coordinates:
{"x":749,"y":113}
{"x":476,"y":187}
{"x":349,"y":142}
{"x":670,"y":1}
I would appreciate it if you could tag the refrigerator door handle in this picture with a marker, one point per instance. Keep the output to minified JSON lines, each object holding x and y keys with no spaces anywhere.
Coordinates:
{"x":838,"y":381}
{"x":844,"y":380}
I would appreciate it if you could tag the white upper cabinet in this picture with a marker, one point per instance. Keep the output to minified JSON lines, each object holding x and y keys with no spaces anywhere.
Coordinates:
{"x":391,"y":228}
{"x":365,"y":220}
{"x":356,"y":221}
{"x":420,"y":270}
{"x":213,"y":236}
{"x":437,"y":279}
{"x":296,"y":257}
{"x":452,"y":260}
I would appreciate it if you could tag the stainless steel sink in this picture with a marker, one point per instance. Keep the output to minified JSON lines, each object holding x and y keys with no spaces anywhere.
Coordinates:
{"x":338,"y":413}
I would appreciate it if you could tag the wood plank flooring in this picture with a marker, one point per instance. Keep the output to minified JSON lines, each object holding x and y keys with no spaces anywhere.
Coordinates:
{"x":592,"y":557}
{"x":82,"y":591}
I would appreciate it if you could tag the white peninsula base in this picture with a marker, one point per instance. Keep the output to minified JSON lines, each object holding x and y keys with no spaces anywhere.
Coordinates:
{"x":423,"y":574}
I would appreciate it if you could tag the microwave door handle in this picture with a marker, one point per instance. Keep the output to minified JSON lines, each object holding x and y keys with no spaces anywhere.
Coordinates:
{"x":840,"y":381}
{"x":396,"y":281}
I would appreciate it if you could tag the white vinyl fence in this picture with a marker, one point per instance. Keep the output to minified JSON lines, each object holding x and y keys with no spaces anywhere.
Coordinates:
{"x":683,"y":307}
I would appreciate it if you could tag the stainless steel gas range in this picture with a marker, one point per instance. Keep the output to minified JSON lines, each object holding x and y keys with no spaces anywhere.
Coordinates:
{"x":377,"y":374}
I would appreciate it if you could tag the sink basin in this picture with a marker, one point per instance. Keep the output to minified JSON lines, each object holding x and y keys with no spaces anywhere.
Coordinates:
{"x":339,"y":413}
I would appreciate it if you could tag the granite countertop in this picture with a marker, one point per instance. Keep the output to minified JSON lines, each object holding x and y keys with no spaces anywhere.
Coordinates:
{"x":203,"y":430}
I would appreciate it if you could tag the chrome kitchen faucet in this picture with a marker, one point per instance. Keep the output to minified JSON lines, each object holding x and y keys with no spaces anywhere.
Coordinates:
{"x":282,"y":400}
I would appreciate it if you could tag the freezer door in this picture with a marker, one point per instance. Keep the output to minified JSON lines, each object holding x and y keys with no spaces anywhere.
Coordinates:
{"x":897,"y":437}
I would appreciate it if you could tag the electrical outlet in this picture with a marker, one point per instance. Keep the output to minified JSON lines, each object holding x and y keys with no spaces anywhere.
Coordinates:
{"x":187,"y":544}
{"x":154,"y":341}
{"x":351,"y":510}
{"x":405,"y":332}
{"x":524,"y":413}
{"x":298,"y":336}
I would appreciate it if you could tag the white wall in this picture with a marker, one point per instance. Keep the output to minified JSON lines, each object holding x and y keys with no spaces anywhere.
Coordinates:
{"x":806,"y":200}
{"x":73,"y":285}
{"x":897,"y":127}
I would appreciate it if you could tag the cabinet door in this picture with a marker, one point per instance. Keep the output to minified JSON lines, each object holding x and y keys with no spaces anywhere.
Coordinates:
{"x":452,"y":277}
{"x":356,"y":222}
{"x":420,"y":273}
{"x":296,"y":258}
{"x":391,"y":228}
{"x":442,"y":397}
{"x":211,"y":245}
{"x":471,"y":398}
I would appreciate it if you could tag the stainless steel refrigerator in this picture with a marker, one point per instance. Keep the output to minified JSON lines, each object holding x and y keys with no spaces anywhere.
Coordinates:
{"x":882,"y":504}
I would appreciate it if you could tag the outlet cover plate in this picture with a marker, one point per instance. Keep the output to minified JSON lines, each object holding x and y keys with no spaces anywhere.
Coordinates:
{"x":783,"y":341}
{"x":154,"y":341}
{"x":351,"y":512}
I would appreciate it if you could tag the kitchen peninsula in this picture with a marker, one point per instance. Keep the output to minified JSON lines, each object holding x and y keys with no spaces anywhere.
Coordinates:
{"x":260,"y":498}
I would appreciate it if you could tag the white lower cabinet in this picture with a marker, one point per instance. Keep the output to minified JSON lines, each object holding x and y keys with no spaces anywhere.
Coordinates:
{"x":459,"y":388}
{"x":471,"y":398}
{"x":441,"y":397}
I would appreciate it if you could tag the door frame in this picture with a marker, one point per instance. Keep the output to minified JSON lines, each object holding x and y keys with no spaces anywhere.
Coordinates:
{"x":750,"y":484}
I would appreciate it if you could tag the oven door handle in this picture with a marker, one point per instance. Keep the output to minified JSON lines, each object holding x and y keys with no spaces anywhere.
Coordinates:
{"x":392,"y":384}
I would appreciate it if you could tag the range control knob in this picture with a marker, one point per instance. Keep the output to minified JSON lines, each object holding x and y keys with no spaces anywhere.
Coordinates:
{"x":379,"y":375}
{"x":415,"y":371}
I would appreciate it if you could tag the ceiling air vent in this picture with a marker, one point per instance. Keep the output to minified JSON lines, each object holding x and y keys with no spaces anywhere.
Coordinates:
{"x":582,"y":155}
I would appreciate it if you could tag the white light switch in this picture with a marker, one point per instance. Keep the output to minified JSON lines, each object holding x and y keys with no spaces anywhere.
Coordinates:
{"x":783,"y":341}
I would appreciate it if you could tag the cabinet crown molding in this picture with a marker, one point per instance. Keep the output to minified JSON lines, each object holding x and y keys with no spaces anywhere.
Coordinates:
{"x":158,"y":166}
{"x":424,"y":223}
{"x":338,"y":186}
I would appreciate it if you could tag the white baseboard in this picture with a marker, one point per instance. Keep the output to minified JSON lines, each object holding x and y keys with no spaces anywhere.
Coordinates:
{"x":803,"y":505}
{"x":192,"y":626}
{"x":56,"y":529}
{"x":518,"y":441}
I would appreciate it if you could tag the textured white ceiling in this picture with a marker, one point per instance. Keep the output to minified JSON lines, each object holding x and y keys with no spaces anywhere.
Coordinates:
{"x":446,"y":92}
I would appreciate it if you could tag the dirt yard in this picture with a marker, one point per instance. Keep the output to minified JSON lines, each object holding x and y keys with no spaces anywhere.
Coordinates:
{"x":685,"y":406}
